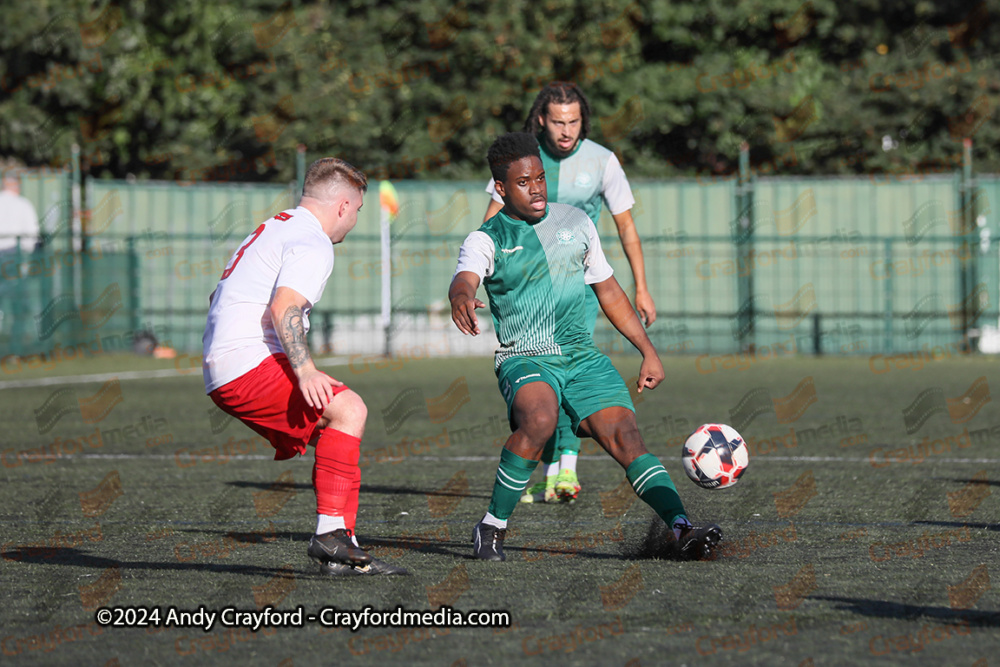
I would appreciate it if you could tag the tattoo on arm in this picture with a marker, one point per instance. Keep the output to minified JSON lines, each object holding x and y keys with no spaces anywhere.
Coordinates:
{"x":292,"y":334}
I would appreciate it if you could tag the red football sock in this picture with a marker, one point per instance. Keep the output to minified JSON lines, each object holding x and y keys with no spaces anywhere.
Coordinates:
{"x":334,"y":473}
{"x":351,"y":511}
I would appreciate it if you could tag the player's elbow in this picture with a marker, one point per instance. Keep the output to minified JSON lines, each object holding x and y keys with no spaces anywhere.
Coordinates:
{"x":604,"y":290}
{"x":628,"y":236}
{"x":277,"y":310}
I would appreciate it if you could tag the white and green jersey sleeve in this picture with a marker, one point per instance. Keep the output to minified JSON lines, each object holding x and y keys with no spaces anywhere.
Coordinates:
{"x":536,"y":278}
{"x":586,"y":177}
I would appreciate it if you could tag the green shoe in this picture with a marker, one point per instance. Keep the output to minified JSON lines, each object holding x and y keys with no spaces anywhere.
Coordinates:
{"x":542,"y":492}
{"x":567,"y":486}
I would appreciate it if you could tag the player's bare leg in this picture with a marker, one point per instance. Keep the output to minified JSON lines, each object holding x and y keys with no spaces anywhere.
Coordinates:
{"x":558,"y":465}
{"x":535,"y":412}
{"x":615,"y":429}
{"x":545,"y":490}
{"x":347,"y":412}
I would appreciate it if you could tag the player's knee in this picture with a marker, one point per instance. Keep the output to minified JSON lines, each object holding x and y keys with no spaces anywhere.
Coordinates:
{"x":627,"y":436}
{"x":539,"y":425}
{"x":346,"y":409}
{"x":628,"y":432}
{"x":358,"y":407}
{"x":622,"y":432}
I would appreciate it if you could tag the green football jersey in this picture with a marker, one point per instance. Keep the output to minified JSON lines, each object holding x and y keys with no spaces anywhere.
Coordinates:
{"x":536,"y":278}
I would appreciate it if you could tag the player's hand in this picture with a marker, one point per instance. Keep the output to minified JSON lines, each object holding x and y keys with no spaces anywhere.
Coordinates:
{"x":317,"y":387}
{"x":463,"y":314}
{"x":650,"y":372}
{"x":645,"y":307}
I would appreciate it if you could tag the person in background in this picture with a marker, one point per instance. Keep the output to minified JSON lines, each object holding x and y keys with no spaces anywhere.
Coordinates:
{"x":18,"y":218}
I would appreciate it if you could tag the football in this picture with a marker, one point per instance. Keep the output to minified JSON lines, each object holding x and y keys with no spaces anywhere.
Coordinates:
{"x":715,"y":456}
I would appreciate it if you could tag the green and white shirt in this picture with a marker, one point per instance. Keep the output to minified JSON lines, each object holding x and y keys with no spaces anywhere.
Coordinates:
{"x":535,"y":277}
{"x":584,"y":178}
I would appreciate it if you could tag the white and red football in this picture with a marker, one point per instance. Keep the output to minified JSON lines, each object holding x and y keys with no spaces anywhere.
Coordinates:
{"x":715,"y":456}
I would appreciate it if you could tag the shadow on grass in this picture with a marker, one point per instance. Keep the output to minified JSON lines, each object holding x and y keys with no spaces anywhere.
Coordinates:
{"x":658,"y":543}
{"x":569,"y":552}
{"x":365,"y":488}
{"x":402,"y":490}
{"x":979,"y":482}
{"x":414,"y":543}
{"x":995,"y":527}
{"x":909,"y":612}
{"x":423,"y":543}
{"x":273,"y":486}
{"x":429,"y":542}
{"x":68,"y":556}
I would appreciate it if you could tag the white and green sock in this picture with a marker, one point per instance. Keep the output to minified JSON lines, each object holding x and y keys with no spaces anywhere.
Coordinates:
{"x":512,"y":478}
{"x":653,"y":485}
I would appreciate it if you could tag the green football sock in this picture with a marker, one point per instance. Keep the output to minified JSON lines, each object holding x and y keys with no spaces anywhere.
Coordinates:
{"x":568,"y":442}
{"x":563,"y":440}
{"x":512,"y":478}
{"x":551,"y":452}
{"x":653,"y":485}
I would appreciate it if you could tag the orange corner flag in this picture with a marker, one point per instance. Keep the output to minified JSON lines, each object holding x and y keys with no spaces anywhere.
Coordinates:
{"x":387,"y":198}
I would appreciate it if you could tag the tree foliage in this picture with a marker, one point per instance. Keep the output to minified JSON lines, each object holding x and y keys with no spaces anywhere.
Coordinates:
{"x":419,"y":89}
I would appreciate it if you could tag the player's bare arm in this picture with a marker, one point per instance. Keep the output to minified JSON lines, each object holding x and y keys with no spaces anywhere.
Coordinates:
{"x":616,"y":306}
{"x":633,"y":252}
{"x":491,"y":210}
{"x":287,"y":315}
{"x":293,"y":337}
{"x":462,"y":295}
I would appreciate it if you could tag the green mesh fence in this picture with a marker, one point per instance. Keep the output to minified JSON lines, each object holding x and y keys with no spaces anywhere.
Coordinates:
{"x":785,"y":266}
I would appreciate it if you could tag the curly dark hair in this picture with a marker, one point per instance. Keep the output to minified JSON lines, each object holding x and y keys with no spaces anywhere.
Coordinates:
{"x":558,"y":92}
{"x":508,"y":148}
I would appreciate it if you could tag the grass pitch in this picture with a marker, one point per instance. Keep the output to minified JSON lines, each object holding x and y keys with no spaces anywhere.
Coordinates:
{"x":865,"y":530}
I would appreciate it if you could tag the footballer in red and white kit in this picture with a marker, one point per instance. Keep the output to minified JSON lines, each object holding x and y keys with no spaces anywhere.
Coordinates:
{"x":258,"y":368}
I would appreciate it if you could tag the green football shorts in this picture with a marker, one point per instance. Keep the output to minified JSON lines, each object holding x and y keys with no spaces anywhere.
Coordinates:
{"x":585,"y":382}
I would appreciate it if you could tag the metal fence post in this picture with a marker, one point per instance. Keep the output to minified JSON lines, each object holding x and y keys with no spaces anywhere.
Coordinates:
{"x":743,"y":237}
{"x":817,"y":334}
{"x":134,"y":271}
{"x":19,"y":307}
{"x":386,"y":294}
{"x":300,"y":173}
{"x":78,"y":242}
{"x":887,"y":295}
{"x":967,"y":252}
{"x":76,"y":193}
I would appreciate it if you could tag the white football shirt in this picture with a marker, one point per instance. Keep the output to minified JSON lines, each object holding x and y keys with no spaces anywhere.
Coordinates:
{"x":289,"y":250}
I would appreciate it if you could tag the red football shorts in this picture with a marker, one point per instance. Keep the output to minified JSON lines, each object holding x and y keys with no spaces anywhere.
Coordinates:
{"x":268,"y":400}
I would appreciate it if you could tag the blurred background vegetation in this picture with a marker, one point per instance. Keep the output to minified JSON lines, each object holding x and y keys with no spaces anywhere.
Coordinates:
{"x":418,"y":89}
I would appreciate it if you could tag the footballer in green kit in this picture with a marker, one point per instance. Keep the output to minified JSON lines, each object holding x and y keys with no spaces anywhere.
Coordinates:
{"x":537,"y":261}
{"x":586,"y":175}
